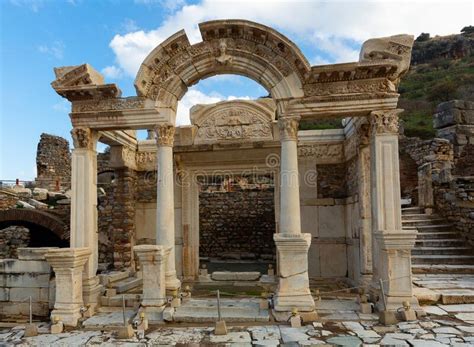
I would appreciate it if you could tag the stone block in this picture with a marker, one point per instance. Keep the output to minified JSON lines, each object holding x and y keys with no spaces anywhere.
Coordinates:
{"x":40,"y":194}
{"x":333,"y":260}
{"x":221,"y":328}
{"x":4,"y":294}
{"x":33,"y":253}
{"x":168,"y":314}
{"x":309,"y":220}
{"x":125,"y":332}
{"x":57,"y":328}
{"x":331,"y":221}
{"x":10,"y":266}
{"x":31,"y":330}
{"x":23,"y":308}
{"x":28,"y":280}
{"x":235,"y":276}
{"x":22,"y":294}
{"x":408,"y":315}
{"x":388,"y":317}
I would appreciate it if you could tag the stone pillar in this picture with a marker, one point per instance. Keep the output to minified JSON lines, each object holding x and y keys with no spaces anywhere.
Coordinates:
{"x":365,"y":226}
{"x":165,"y":200}
{"x":68,"y":266}
{"x":392,"y":245}
{"x":84,"y":227}
{"x":292,"y":246}
{"x":152,"y":260}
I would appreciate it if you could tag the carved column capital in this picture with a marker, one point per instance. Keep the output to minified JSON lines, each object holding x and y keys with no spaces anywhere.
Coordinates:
{"x":363,"y":135}
{"x":288,"y":127}
{"x":84,"y":138}
{"x":384,"y":121}
{"x":164,"y":134}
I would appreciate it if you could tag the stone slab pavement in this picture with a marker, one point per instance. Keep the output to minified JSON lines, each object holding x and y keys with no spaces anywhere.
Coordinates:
{"x":444,"y":325}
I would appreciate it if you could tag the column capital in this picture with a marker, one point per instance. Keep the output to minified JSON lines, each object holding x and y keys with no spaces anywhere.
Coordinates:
{"x":289,"y":127}
{"x":164,"y":134}
{"x":84,"y":138}
{"x":384,"y":121}
{"x":363,"y":135}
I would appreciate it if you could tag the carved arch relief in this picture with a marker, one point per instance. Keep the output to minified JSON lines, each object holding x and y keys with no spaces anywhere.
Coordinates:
{"x":229,"y":46}
{"x":234,"y":121}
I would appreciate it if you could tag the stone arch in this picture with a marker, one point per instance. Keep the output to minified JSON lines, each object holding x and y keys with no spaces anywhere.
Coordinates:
{"x":28,"y":217}
{"x":229,"y":47}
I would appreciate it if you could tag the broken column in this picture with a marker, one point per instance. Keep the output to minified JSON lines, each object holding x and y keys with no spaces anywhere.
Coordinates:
{"x":392,"y":245}
{"x":292,"y":246}
{"x":165,"y":200}
{"x":84,"y":227}
{"x":152,"y":260}
{"x":68,"y":265}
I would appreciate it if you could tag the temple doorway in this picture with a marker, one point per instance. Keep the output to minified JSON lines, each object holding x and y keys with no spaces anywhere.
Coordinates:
{"x":237,"y":223}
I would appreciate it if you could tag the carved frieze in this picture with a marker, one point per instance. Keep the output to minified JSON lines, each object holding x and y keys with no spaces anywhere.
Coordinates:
{"x":346,"y":87}
{"x":322,"y":151}
{"x":146,"y":161}
{"x":288,"y":127}
{"x":116,"y":104}
{"x":384,"y":121}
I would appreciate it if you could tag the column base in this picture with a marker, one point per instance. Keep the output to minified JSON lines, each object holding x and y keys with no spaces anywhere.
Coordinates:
{"x":69,"y":316}
{"x":91,"y":291}
{"x":172,"y":281}
{"x":293,"y":281}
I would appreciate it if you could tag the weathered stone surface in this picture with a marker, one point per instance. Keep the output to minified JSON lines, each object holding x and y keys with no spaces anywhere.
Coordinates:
{"x":235,"y":276}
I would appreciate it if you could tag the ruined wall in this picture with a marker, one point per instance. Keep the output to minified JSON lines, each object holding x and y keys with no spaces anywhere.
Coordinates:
{"x":53,"y":163}
{"x":238,"y":223}
{"x":12,"y":238}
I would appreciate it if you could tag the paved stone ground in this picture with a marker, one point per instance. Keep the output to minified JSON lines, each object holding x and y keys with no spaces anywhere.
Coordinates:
{"x":445,"y":325}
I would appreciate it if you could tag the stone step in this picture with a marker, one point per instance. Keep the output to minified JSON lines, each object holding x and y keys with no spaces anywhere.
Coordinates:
{"x":429,"y":235}
{"x":441,"y":250}
{"x":131,"y":300}
{"x":442,"y":269}
{"x":443,"y":259}
{"x":114,"y":276}
{"x":453,"y":242}
{"x":420,"y":216}
{"x":232,"y":310}
{"x":440,"y":227}
{"x":420,"y":222}
{"x":127,"y":284}
{"x":412,"y":210}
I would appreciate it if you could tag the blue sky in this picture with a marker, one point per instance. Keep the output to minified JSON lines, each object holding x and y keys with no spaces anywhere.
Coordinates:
{"x":114,"y":36}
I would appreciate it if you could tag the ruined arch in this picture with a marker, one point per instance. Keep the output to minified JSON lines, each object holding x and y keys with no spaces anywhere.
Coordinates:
{"x":29,"y":218}
{"x":229,"y":47}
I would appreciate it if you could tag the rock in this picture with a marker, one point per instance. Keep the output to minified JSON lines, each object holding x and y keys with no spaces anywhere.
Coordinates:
{"x":37,"y":204}
{"x":40,"y":193}
{"x":22,"y":204}
{"x":231,"y":337}
{"x":235,"y":276}
{"x":447,"y":330}
{"x":168,"y":314}
{"x":21,"y":190}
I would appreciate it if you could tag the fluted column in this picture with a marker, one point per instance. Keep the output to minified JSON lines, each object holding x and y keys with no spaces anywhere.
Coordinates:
{"x":165,"y":201}
{"x":84,"y":227}
{"x":292,"y":246}
{"x":365,"y":226}
{"x":392,"y":245}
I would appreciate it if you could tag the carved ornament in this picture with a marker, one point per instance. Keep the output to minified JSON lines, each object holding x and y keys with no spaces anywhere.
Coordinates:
{"x":288,"y":127}
{"x":164,"y":134}
{"x":385,"y":121}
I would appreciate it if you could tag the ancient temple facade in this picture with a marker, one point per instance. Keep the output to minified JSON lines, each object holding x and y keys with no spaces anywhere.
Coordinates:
{"x":335,"y":194}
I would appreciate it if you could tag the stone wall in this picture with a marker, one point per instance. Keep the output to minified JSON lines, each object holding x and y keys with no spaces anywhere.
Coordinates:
{"x":53,"y":163}
{"x":238,"y":223}
{"x":332,"y":180}
{"x":30,"y":275}
{"x":11,"y":238}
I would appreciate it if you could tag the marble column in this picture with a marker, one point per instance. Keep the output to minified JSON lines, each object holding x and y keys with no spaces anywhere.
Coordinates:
{"x":68,"y":265}
{"x":365,"y":222}
{"x":152,"y":265}
{"x":165,"y":201}
{"x":391,"y":245}
{"x":84,"y":227}
{"x":292,"y":245}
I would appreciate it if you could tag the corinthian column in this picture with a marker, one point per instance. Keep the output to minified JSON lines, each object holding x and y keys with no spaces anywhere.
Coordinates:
{"x":84,"y":229}
{"x":292,"y":246}
{"x":165,"y":201}
{"x":392,"y":245}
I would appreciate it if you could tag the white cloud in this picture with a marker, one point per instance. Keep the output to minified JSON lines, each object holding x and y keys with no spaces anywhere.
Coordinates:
{"x":129,"y":25}
{"x":328,"y":27}
{"x":62,"y":106}
{"x":33,"y":5}
{"x":112,"y":72}
{"x":194,"y":97}
{"x":56,"y":49}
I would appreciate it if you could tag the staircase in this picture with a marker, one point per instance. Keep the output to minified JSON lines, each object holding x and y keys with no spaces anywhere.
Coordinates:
{"x":439,"y":247}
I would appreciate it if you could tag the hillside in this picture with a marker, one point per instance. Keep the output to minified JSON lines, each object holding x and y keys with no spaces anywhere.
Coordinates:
{"x":442,"y":69}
